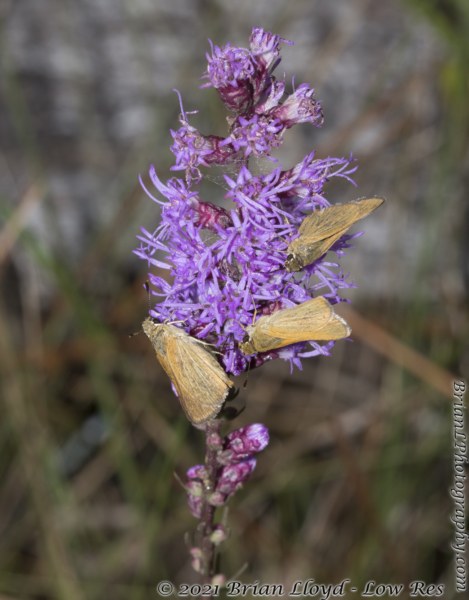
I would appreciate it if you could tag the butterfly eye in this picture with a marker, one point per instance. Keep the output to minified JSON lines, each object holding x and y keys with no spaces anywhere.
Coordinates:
{"x":290,"y":257}
{"x":246,"y":339}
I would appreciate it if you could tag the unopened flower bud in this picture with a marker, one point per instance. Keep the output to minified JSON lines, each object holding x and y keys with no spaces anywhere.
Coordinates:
{"x":197,"y":565}
{"x":196,"y":552}
{"x":195,"y":488}
{"x":215,"y":441}
{"x":233,"y":476}
{"x":217,"y":498}
{"x":243,"y":442}
{"x":252,"y":438}
{"x":270,"y":97}
{"x":195,"y":472}
{"x":195,"y":505}
{"x":219,"y":535}
{"x":219,"y":579}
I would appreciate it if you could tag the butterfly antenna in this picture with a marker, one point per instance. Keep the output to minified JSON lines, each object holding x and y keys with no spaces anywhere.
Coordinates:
{"x":255,"y":308}
{"x":146,"y":285}
{"x":247,"y":375}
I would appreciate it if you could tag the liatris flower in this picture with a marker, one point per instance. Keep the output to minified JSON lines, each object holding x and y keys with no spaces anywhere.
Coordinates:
{"x":218,"y":287}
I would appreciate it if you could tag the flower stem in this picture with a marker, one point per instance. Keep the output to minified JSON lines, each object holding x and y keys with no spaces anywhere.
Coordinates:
{"x":206,"y":525}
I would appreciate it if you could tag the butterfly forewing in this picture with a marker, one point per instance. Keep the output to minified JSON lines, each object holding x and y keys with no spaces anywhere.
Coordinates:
{"x":312,"y":320}
{"x":322,"y":228}
{"x":200,"y":382}
{"x":333,"y":219}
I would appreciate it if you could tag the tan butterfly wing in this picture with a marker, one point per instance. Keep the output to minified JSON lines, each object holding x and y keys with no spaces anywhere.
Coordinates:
{"x":312,"y":320}
{"x":201,"y":383}
{"x":336,"y":219}
{"x":322,"y":228}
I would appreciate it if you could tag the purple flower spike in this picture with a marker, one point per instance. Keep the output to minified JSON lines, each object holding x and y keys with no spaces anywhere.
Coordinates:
{"x":243,"y":442}
{"x":221,"y":283}
{"x":233,"y":476}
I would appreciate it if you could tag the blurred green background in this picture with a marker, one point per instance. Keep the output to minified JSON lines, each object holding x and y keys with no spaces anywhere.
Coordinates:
{"x":355,"y":481}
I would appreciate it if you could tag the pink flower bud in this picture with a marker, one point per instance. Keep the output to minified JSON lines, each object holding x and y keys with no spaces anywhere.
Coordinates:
{"x":243,"y":442}
{"x":195,"y":488}
{"x":215,"y":441}
{"x":219,"y":579}
{"x":196,"y":552}
{"x":195,"y":505}
{"x":217,"y":498}
{"x":233,"y":476}
{"x":195,"y":472}
{"x":219,"y":535}
{"x":197,"y":565}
